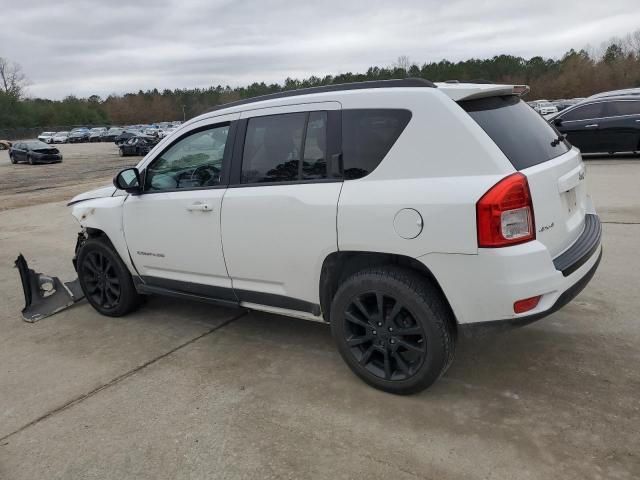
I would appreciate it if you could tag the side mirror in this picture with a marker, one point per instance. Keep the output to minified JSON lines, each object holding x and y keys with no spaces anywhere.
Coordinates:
{"x":128,"y":180}
{"x":557,"y":122}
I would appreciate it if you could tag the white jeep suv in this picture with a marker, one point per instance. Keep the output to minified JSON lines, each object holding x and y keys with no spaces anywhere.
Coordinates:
{"x":401,"y":212}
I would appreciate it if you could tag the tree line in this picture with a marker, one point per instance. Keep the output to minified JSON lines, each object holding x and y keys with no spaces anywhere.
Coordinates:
{"x":576,"y":74}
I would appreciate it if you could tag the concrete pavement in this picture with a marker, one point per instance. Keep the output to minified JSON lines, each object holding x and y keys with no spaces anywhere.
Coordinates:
{"x":185,"y":390}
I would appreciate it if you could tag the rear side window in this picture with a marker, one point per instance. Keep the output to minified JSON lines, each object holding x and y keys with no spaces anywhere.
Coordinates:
{"x":285,"y":148}
{"x":314,"y":157}
{"x":585,"y":112}
{"x":367,"y":137}
{"x":628,"y":107}
{"x":520,"y":132}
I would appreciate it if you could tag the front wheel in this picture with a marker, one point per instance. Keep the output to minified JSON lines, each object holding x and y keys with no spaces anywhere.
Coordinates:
{"x":30,"y":159}
{"x":105,"y":279}
{"x":12,"y":158}
{"x":393,"y":329}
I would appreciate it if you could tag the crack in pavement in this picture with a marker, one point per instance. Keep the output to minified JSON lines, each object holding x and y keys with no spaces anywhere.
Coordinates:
{"x":120,"y":378}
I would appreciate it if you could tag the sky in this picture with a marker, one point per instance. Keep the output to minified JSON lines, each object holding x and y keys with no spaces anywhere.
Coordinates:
{"x":86,"y":47}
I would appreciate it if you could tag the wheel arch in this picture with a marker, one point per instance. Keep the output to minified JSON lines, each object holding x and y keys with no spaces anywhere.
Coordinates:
{"x":103,"y":217}
{"x":338,"y":266}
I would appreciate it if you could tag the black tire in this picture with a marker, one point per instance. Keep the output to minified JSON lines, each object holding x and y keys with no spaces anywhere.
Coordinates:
{"x":13,"y":160}
{"x":416,"y":329}
{"x":30,"y":159}
{"x":121,"y":152}
{"x":105,"y":280}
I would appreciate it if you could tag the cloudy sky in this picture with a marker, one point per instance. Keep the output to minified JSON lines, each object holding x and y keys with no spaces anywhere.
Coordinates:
{"x":86,"y":47}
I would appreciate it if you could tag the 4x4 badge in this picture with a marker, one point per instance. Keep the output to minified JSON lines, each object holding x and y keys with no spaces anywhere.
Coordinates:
{"x":544,"y":228}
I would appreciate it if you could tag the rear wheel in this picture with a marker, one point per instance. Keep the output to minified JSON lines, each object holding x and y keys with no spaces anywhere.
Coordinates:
{"x":393,"y":329}
{"x":30,"y":159}
{"x":105,"y":279}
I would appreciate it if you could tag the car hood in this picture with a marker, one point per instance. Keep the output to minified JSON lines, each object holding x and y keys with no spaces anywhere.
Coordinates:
{"x":107,"y":191}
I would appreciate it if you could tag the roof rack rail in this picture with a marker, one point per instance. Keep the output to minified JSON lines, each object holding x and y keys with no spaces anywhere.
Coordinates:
{"x":338,"y":87}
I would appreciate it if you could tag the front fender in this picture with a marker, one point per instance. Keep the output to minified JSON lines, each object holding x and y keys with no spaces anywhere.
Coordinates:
{"x":105,"y":215}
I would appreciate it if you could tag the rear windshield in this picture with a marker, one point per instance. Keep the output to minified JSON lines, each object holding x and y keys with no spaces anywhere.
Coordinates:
{"x":519,"y":131}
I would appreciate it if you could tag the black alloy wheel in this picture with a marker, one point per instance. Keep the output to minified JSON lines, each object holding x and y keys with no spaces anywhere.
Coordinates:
{"x":101,"y":280}
{"x":393,"y":328}
{"x":105,"y":279}
{"x":384,"y":336}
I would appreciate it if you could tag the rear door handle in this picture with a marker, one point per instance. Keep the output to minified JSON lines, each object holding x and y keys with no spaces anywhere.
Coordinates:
{"x":200,"y":207}
{"x":591,"y":125}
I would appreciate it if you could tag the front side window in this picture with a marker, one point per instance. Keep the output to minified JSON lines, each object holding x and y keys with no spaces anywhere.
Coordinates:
{"x":586,"y":112}
{"x":367,"y":137}
{"x":285,"y":148}
{"x":194,"y":161}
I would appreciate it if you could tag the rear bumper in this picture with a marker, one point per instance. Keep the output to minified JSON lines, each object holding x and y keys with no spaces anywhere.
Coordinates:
{"x":482,"y":288}
{"x":483,"y":328}
{"x":582,"y":249}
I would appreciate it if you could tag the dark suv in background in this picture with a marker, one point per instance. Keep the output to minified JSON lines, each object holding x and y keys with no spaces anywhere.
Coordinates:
{"x":602,"y":125}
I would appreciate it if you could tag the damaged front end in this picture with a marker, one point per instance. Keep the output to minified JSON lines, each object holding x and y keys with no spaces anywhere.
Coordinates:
{"x":45,"y":295}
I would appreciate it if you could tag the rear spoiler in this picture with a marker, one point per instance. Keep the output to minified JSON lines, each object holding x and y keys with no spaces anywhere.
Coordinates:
{"x":470,"y":91}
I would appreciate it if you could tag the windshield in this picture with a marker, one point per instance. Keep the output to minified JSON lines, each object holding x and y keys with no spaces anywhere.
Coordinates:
{"x":519,"y":131}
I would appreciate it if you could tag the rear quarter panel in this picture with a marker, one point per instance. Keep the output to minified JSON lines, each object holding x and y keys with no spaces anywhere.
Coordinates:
{"x":440,"y":166}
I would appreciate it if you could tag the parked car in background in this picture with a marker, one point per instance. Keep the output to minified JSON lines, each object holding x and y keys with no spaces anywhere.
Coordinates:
{"x":166,"y":132}
{"x":545,"y":107}
{"x":46,"y":137}
{"x":60,"y":137}
{"x":340,"y":219}
{"x":564,"y":104}
{"x":126,"y":135}
{"x":138,"y":145}
{"x":5,"y":144}
{"x":79,"y":135}
{"x":34,"y":151}
{"x":112,"y":134}
{"x":96,"y":134}
{"x":602,"y":125}
{"x":561,"y":104}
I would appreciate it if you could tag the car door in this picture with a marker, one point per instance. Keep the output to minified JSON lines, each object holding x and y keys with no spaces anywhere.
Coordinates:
{"x":279,"y":212}
{"x":620,"y":127}
{"x":172,"y":229}
{"x":580,"y":125}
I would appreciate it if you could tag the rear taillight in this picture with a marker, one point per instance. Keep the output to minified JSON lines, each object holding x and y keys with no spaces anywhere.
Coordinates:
{"x":504,"y":214}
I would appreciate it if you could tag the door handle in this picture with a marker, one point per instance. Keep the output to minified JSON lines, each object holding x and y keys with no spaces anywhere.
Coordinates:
{"x":591,"y":125}
{"x":200,"y":207}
